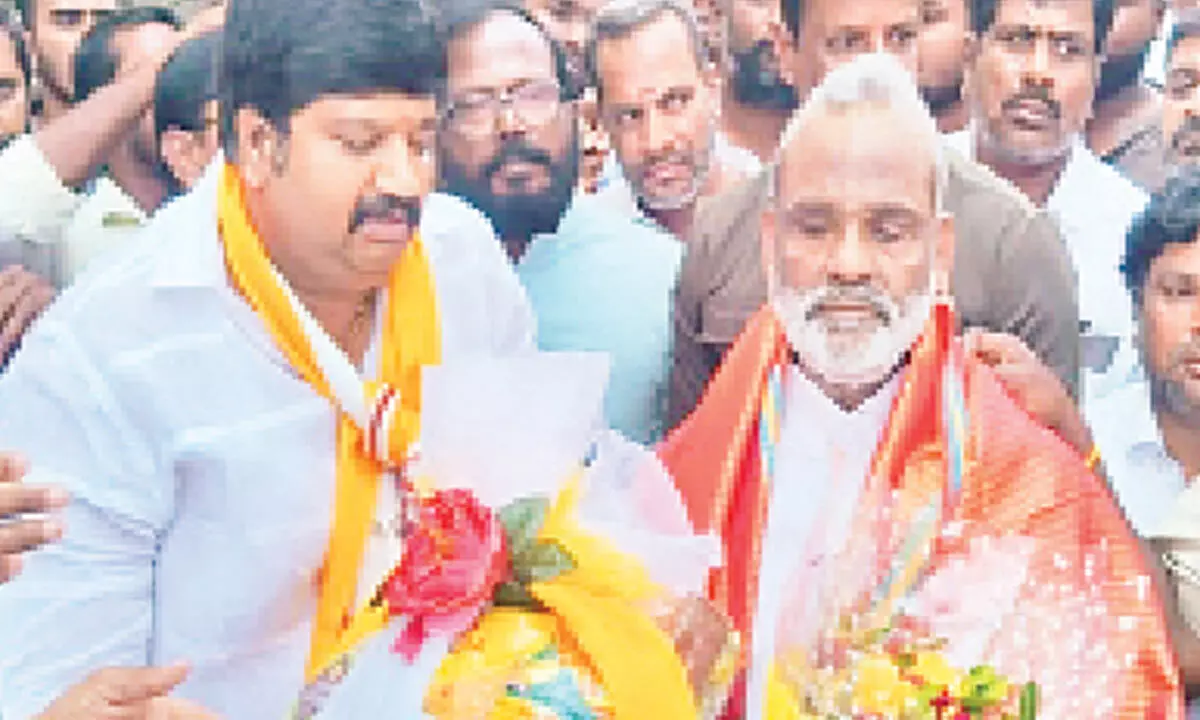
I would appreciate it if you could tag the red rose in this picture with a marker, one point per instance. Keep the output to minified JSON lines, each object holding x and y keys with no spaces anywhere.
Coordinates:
{"x":453,"y":559}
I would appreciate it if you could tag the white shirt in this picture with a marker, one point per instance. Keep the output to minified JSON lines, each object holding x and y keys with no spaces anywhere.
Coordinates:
{"x":822,"y":460}
{"x":107,"y":218}
{"x":1094,"y":205}
{"x":201,"y":467}
{"x":1146,"y":480}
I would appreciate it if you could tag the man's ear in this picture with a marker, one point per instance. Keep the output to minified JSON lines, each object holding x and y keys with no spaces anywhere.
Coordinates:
{"x":259,"y":144}
{"x":943,"y":255}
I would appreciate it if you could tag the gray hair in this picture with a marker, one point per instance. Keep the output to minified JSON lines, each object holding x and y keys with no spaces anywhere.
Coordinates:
{"x":620,"y":18}
{"x":879,"y":80}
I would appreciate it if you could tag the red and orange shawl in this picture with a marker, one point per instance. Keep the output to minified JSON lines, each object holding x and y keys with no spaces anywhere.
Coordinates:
{"x":1017,"y":477}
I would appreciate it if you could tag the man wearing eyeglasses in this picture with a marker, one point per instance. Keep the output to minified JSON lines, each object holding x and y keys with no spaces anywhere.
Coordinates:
{"x":598,"y":280}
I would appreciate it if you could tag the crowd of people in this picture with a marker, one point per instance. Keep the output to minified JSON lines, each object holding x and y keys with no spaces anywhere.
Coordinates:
{"x":220,"y":233}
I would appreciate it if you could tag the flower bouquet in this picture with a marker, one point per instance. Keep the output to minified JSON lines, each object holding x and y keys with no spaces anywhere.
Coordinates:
{"x":569,"y":591}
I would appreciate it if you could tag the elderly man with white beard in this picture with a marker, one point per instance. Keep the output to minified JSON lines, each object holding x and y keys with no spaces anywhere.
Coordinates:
{"x":849,"y":451}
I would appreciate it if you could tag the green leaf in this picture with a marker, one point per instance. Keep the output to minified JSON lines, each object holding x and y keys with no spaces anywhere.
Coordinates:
{"x":511,"y":594}
{"x":522,"y":520}
{"x":544,"y":561}
{"x":1029,"y":695}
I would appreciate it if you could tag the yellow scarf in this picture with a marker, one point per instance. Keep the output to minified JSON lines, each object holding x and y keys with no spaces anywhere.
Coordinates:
{"x":411,"y":340}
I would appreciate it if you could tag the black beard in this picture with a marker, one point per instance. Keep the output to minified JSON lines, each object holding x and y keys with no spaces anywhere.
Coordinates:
{"x":940,"y":99}
{"x":757,"y":84}
{"x":517,"y":217}
{"x":1119,"y":72}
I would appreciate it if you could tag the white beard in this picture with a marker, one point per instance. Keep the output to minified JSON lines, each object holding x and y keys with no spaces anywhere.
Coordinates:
{"x":851,"y":358}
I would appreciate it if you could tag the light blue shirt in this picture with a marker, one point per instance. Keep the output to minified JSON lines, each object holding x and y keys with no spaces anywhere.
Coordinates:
{"x":605,"y":282}
{"x":200,"y":466}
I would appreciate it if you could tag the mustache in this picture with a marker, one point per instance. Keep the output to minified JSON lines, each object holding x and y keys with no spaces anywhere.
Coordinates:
{"x":1038,"y":94}
{"x":516,"y":149}
{"x":386,"y":208}
{"x":1185,"y":353}
{"x":1189,"y":128}
{"x":880,"y":304}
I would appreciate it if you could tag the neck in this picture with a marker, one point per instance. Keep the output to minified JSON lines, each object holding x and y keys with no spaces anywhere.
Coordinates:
{"x":140,"y":182}
{"x":348,"y":318}
{"x":953,"y":117}
{"x":1181,"y":436}
{"x":516,"y":247}
{"x":752,"y":128}
{"x":1036,"y":180}
{"x":848,"y":397}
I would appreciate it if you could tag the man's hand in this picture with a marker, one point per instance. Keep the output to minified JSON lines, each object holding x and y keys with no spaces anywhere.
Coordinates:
{"x":1031,"y":384}
{"x":23,"y":296}
{"x":127,"y":694}
{"x":17,"y":535}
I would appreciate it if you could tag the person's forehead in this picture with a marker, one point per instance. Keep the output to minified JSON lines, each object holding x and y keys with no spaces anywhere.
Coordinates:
{"x":861,"y":13}
{"x":858,"y":157}
{"x":380,"y":111}
{"x":73,"y":5}
{"x":499,"y":51}
{"x":655,"y":56}
{"x":1178,"y":259}
{"x":1058,"y":15}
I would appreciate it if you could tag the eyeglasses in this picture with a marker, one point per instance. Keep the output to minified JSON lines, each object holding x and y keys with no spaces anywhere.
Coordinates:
{"x":475,"y":114}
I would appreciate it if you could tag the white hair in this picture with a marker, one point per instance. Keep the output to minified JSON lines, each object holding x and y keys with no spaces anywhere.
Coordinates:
{"x":878,"y":80}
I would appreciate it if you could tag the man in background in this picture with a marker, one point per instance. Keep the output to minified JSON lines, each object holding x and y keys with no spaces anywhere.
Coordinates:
{"x":1125,"y":129}
{"x":186,"y":111}
{"x":14,"y":80}
{"x":945,"y":44}
{"x":55,"y":29}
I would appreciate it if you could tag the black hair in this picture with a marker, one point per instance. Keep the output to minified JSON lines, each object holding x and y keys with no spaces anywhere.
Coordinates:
{"x":279,"y":56}
{"x":96,"y":59}
{"x":186,"y":83}
{"x":983,"y":16}
{"x":1171,"y":216}
{"x":462,"y":17}
{"x":13,"y":30}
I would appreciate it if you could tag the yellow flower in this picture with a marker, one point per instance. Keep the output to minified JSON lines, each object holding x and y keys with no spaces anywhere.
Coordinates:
{"x":934,"y":669}
{"x":781,"y":701}
{"x":878,"y":687}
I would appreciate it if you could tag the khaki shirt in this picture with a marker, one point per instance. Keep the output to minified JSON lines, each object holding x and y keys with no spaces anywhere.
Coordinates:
{"x":1011,"y":274}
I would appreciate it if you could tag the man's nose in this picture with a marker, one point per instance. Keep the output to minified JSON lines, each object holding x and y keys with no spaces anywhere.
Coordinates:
{"x":849,"y":263}
{"x":400,"y":172}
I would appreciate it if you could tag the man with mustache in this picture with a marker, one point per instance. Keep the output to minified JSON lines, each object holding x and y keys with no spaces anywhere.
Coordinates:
{"x":660,"y":107}
{"x":828,"y":411}
{"x":1149,"y":431}
{"x":599,"y":278}
{"x":227,"y":404}
{"x":1011,"y":272}
{"x":1125,"y":129}
{"x":757,"y":97}
{"x":1181,"y":103}
{"x":944,"y":45}
{"x":1033,"y":80}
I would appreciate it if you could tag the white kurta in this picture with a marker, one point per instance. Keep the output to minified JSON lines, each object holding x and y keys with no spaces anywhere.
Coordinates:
{"x":200,"y":465}
{"x":822,"y":460}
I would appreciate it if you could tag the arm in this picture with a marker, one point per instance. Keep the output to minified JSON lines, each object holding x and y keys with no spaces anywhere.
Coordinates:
{"x":86,"y":602}
{"x":1039,"y":303}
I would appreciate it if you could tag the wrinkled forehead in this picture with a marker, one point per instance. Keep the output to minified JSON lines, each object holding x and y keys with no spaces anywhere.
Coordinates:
{"x":499,"y":52}
{"x":50,"y":6}
{"x":1186,"y":54}
{"x":856,"y":158}
{"x":1178,"y":260}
